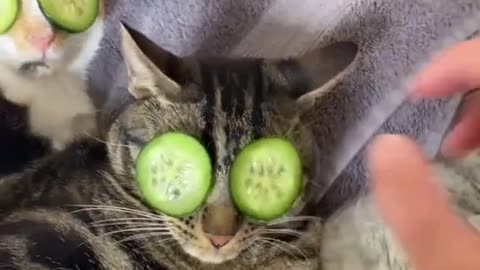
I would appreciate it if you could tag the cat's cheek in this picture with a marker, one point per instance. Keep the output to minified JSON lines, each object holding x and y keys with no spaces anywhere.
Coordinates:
{"x":8,"y":50}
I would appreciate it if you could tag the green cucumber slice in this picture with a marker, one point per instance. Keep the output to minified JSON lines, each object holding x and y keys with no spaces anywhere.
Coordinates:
{"x":70,"y":15}
{"x":266,"y":179}
{"x":174,"y":174}
{"x":8,"y":14}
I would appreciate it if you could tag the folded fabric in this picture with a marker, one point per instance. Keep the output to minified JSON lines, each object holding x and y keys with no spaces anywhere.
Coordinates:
{"x":396,"y":38}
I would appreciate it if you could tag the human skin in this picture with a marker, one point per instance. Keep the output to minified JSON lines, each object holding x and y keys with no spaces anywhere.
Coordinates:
{"x":457,"y":70}
{"x":406,"y":192}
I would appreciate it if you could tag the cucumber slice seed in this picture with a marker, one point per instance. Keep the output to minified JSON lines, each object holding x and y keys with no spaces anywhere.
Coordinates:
{"x":266,"y":179}
{"x":174,"y":174}
{"x":73,"y":16}
{"x":8,"y":14}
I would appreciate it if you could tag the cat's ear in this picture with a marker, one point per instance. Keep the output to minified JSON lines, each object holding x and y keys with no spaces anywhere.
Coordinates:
{"x":152,"y":71}
{"x":314,"y":73}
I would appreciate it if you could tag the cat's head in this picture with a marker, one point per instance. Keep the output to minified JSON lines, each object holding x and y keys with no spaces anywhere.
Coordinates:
{"x":226,"y":104}
{"x":33,"y":40}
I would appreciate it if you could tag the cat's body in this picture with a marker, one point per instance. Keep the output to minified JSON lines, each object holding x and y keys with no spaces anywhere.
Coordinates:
{"x":45,"y":70}
{"x":355,"y":238}
{"x":82,"y":209}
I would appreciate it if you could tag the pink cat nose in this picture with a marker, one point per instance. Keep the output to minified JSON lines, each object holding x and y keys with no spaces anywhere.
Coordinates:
{"x":42,"y":41}
{"x":219,"y":241}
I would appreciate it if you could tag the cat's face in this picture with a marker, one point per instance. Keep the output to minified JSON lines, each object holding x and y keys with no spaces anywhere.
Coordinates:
{"x":226,"y":104}
{"x":33,"y":40}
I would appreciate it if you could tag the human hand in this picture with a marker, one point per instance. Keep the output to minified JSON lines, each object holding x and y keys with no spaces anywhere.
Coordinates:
{"x":406,"y":192}
{"x":416,"y":209}
{"x":457,"y":70}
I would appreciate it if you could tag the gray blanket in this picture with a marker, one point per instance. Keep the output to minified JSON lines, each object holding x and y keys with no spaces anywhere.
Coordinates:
{"x":396,"y":37}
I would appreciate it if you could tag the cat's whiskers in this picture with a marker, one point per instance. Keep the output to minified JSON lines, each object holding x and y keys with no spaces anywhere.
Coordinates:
{"x":266,"y":243}
{"x":295,"y":127}
{"x":143,"y":236}
{"x":282,"y":232}
{"x":141,"y":229}
{"x":105,"y":142}
{"x":165,"y":240}
{"x":250,"y":248}
{"x":126,"y":224}
{"x":129,"y":219}
{"x":279,"y":244}
{"x":108,"y":208}
{"x":293,"y":219}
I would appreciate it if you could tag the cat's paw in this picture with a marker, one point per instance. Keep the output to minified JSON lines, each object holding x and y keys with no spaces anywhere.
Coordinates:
{"x":58,"y":145}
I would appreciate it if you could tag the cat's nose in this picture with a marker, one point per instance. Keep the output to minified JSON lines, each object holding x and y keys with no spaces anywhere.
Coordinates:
{"x":219,"y":241}
{"x":42,"y":41}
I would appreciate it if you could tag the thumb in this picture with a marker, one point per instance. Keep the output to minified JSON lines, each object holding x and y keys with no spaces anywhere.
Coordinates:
{"x":417,"y":209}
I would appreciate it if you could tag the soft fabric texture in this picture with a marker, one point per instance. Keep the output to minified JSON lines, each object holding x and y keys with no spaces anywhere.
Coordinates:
{"x":396,"y":38}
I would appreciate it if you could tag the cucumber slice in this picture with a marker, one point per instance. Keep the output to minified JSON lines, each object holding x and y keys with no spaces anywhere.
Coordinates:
{"x":8,"y":14}
{"x":174,"y":174}
{"x":70,"y":15}
{"x":266,"y":179}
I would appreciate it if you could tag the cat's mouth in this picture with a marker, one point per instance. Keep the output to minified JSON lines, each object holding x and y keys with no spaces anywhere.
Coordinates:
{"x":33,"y":67}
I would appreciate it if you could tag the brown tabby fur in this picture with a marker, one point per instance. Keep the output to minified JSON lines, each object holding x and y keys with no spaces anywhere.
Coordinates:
{"x":81,"y":208}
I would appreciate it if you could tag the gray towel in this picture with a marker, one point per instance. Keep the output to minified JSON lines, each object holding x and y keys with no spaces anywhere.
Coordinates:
{"x":396,"y":38}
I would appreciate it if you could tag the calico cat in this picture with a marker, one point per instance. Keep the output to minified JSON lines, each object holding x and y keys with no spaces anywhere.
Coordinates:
{"x":355,"y":237}
{"x":44,"y":70}
{"x":81,"y":208}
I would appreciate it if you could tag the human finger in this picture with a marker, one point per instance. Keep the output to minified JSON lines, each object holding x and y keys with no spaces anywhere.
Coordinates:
{"x":455,"y":70}
{"x":415,"y":207}
{"x":465,"y":136}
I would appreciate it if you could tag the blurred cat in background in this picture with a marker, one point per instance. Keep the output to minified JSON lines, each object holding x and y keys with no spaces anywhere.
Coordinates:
{"x":44,"y":70}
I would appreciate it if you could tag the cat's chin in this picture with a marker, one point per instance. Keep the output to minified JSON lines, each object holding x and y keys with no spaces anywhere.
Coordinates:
{"x":210,"y":255}
{"x":36,"y":68}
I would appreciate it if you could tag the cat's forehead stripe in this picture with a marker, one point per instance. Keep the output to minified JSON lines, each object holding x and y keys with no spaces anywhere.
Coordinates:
{"x":231,"y":98}
{"x":219,"y":129}
{"x":233,"y":112}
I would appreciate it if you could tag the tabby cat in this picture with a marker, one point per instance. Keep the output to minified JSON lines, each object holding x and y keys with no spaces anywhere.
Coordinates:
{"x":81,"y":208}
{"x":355,"y":238}
{"x":44,"y":69}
